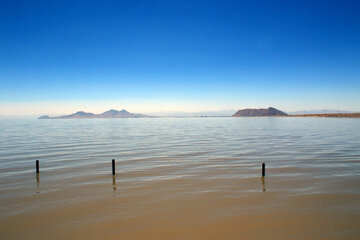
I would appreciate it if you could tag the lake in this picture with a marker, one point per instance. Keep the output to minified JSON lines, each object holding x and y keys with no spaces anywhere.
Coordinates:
{"x":180,"y":178}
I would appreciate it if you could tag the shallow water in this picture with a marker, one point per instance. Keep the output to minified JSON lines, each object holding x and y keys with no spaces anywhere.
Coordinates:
{"x":180,"y":178}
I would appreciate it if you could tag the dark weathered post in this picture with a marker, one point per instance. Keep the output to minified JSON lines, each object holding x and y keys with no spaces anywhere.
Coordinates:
{"x":37,"y":166}
{"x":113,"y":167}
{"x":263,"y":169}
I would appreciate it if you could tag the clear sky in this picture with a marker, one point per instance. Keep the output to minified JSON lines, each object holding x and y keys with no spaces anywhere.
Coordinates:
{"x":149,"y":56}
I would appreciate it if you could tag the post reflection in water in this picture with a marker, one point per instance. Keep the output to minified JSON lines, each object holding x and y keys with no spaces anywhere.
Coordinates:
{"x":38,"y":182}
{"x":263,"y":184}
{"x":114,"y":182}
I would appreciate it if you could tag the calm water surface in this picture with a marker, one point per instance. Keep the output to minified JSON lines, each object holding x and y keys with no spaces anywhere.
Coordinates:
{"x":180,"y":178}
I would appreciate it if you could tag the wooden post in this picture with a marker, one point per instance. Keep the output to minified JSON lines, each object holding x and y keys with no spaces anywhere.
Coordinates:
{"x":113,"y":167}
{"x":37,"y":166}
{"x":263,"y":169}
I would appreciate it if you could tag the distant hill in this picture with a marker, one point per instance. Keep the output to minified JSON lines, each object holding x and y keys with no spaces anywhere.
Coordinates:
{"x":121,"y":114}
{"x":108,"y":114}
{"x":250,"y":112}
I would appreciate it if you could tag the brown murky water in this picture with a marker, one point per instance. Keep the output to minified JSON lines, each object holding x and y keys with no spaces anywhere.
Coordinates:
{"x":180,"y":179}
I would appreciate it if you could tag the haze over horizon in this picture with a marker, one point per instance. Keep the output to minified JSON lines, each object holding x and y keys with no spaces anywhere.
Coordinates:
{"x":178,"y":56}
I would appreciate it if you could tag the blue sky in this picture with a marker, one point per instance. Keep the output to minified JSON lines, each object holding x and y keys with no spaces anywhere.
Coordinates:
{"x":148,"y":56}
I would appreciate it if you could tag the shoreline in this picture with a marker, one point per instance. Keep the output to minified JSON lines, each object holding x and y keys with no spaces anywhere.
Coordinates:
{"x":323,"y":115}
{"x":328,"y":115}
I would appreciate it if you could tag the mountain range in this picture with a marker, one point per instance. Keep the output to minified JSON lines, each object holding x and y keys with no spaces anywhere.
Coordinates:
{"x":108,"y":114}
{"x":319,"y":111}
